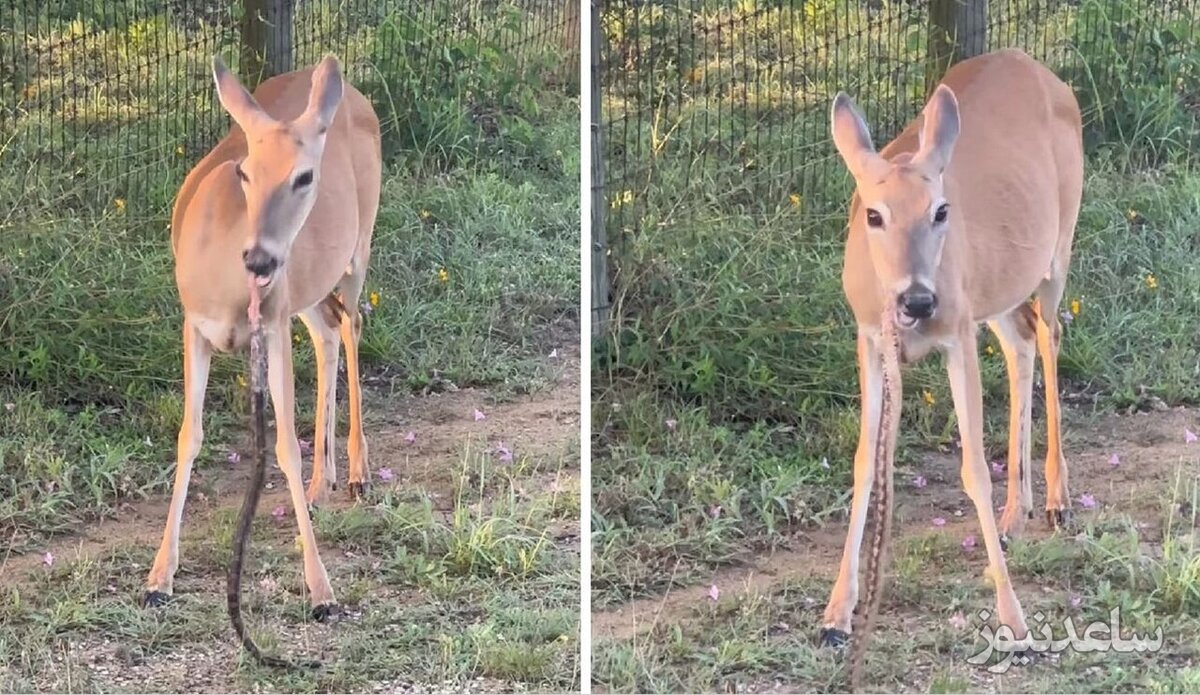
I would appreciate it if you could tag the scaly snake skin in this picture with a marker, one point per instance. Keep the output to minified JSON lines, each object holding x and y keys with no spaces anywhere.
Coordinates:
{"x":880,"y":509}
{"x":241,"y":535}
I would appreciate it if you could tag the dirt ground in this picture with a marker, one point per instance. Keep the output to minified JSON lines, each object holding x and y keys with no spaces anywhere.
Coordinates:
{"x":538,"y":424}
{"x":1154,"y":460}
{"x":538,"y":427}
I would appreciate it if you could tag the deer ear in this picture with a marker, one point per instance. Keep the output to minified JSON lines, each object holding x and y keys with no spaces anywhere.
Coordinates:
{"x":851,"y":137}
{"x":939,"y":131}
{"x":326,"y":93}
{"x":242,"y":107}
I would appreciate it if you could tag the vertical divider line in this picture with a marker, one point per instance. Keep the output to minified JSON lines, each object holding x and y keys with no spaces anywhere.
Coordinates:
{"x":589,"y":128}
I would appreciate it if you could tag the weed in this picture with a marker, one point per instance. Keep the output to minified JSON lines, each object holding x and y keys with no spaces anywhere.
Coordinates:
{"x":473,"y":280}
{"x":725,"y":402}
{"x":467,"y":270}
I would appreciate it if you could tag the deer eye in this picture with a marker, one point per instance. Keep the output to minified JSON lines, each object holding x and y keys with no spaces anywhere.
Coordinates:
{"x":241,"y":174}
{"x":302,"y":180}
{"x":874,"y":219}
{"x":942,"y":213}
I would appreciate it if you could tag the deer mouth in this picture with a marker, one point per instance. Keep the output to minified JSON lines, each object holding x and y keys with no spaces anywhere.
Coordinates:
{"x":261,"y":265}
{"x":903,"y":320}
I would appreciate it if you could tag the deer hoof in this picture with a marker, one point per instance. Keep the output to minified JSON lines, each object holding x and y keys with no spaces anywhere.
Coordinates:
{"x":833,"y":637}
{"x":1058,"y":518}
{"x":357,"y":490}
{"x":154,"y":599}
{"x":324,"y":612}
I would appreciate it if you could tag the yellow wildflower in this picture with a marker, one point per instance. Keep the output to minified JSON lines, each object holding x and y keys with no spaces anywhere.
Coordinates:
{"x":443,"y":275}
{"x":241,"y":381}
{"x":179,"y":150}
{"x":624,"y":198}
{"x":1151,"y":281}
{"x":1075,"y":307}
{"x":929,"y":399}
{"x":990,"y":350}
{"x":795,"y":199}
{"x":374,"y":299}
{"x":120,"y":203}
{"x":425,"y":214}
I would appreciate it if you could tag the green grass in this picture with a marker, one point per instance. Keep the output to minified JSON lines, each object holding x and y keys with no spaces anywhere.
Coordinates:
{"x":725,"y":405}
{"x":473,"y":268}
{"x":90,"y":347}
{"x":474,"y":278}
{"x":414,"y":612}
{"x":760,"y":461}
{"x":729,"y":320}
{"x":755,"y":640}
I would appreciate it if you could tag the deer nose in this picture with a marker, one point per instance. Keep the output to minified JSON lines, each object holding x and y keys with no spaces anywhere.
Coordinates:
{"x":918,"y":302}
{"x":259,"y":261}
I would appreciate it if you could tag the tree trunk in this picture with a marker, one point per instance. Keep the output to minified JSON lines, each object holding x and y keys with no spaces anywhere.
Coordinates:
{"x":266,"y":39}
{"x":957,"y":31}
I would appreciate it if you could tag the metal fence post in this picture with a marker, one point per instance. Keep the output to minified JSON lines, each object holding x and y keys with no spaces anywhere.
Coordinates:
{"x":571,"y":40}
{"x":599,"y":236}
{"x":266,"y":39}
{"x":957,"y":31}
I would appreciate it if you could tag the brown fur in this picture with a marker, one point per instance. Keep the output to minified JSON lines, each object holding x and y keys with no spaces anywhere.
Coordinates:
{"x":1026,"y":319}
{"x":1000,"y":143}
{"x":248,"y":193}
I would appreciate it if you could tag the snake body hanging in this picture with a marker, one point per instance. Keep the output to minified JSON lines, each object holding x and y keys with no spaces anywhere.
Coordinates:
{"x":258,"y":429}
{"x":880,"y":509}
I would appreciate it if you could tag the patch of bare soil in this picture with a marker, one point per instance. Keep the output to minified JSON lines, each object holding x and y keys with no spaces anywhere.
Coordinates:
{"x":1150,"y":446}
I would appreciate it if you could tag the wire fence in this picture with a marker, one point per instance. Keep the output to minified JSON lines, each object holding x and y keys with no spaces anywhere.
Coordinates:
{"x":112,"y":100}
{"x":723,"y":106}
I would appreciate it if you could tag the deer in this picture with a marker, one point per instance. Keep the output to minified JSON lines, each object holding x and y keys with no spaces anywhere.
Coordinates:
{"x":966,"y":217}
{"x":282,"y":209}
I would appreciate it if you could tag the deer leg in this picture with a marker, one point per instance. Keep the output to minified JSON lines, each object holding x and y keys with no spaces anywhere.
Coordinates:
{"x":351,"y":329}
{"x":839,"y":612}
{"x":287,"y":451}
{"x":197,"y":356}
{"x":1016,"y":332}
{"x":1049,"y":334}
{"x":322,"y":326}
{"x":962,"y":362}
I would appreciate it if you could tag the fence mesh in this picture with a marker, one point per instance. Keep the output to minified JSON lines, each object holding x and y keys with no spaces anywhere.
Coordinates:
{"x":112,"y":99}
{"x":725,"y":104}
